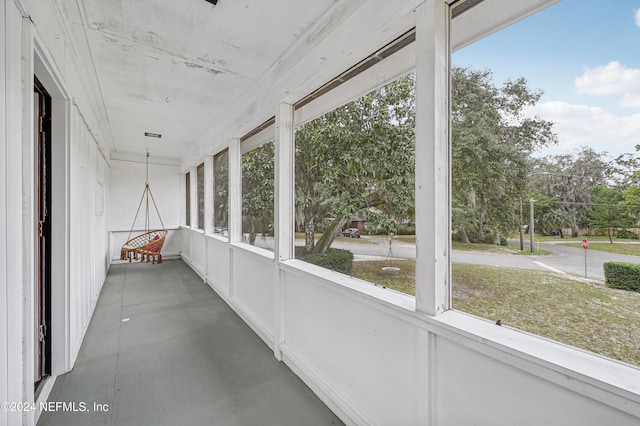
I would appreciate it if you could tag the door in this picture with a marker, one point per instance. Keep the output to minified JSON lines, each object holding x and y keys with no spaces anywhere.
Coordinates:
{"x":42,"y":133}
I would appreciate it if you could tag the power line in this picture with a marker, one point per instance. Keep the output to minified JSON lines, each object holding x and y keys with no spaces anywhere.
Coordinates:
{"x":594,"y":204}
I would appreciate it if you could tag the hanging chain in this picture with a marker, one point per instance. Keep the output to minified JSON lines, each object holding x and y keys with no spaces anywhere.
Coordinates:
{"x":145,"y":199}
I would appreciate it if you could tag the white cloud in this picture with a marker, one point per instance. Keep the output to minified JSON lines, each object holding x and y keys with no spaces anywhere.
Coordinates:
{"x":631,"y":100}
{"x":637,"y":16}
{"x":583,"y":125}
{"x":612,"y":79}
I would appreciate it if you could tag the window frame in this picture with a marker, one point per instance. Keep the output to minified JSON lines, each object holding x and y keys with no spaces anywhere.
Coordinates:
{"x":200,"y":196}
{"x":187,"y":196}
{"x":219,"y":154}
{"x":254,"y":139}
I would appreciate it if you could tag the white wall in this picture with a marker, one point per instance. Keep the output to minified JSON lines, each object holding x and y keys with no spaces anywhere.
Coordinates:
{"x":34,"y":42}
{"x":12,"y":362}
{"x":89,"y":186}
{"x":126,"y":186}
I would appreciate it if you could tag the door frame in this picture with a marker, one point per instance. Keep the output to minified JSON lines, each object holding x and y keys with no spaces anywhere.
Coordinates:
{"x":48,"y":75}
{"x":43,"y":215}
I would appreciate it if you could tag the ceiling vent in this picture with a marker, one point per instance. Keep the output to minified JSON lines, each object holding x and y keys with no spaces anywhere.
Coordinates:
{"x":152,"y":135}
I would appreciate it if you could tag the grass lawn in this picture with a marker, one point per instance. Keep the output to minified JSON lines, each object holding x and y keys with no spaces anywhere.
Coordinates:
{"x":402,"y":280}
{"x":569,"y":238}
{"x":405,"y":238}
{"x":491,"y":248}
{"x":589,"y":316}
{"x":619,"y":248}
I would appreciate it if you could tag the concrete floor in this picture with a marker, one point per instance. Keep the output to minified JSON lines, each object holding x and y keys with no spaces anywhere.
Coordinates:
{"x":163,"y":349}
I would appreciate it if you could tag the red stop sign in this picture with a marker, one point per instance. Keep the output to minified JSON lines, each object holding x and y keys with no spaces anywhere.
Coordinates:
{"x":585,"y":244}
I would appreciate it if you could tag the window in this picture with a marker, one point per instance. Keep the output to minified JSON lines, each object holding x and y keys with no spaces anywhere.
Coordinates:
{"x":200,"y":186}
{"x":354,"y":186}
{"x":544,"y":156}
{"x":221,"y":193}
{"x":257,"y":195}
{"x":187,"y":206}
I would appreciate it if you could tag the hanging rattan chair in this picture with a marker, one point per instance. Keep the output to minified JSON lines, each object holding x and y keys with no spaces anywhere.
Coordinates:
{"x":147,"y":246}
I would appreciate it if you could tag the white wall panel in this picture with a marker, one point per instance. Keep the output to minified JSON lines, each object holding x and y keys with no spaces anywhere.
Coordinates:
{"x":197,"y":251}
{"x":187,"y":234}
{"x":88,"y":233}
{"x":473,"y":388}
{"x":253,"y":288}
{"x":12,"y":361}
{"x":127,"y":185}
{"x":4,"y":290}
{"x":367,"y":357}
{"x":218,"y":265}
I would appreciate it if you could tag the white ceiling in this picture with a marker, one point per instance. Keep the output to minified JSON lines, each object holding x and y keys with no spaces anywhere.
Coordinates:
{"x":174,"y":67}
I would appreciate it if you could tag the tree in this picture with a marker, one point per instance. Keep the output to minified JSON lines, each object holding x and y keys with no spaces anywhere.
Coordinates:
{"x":549,"y":216}
{"x":630,"y":202}
{"x":492,"y":139}
{"x":359,"y":157}
{"x":257,"y":190}
{"x":570,"y":179}
{"x":627,"y":176}
{"x":605,"y":213}
{"x":221,"y":190}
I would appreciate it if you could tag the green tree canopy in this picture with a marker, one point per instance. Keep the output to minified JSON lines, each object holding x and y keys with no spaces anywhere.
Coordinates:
{"x":570,"y":180}
{"x":605,"y":212}
{"x":258,"y":190}
{"x":492,"y":139}
{"x":359,"y":157}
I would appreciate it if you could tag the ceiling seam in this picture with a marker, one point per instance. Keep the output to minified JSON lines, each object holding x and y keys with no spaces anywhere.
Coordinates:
{"x":78,"y":63}
{"x":83,"y":16}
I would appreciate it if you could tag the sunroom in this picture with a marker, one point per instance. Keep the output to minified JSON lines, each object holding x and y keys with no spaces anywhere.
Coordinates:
{"x":240,"y":117}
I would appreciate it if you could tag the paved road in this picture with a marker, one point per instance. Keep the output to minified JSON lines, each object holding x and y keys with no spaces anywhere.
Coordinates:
{"x":567,"y":260}
{"x":572,"y":259}
{"x":564,"y":260}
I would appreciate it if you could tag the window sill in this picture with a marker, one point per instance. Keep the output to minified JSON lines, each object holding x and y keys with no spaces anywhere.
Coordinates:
{"x":217,"y":237}
{"x":351,"y":286}
{"x":268,"y":254}
{"x":570,"y":363}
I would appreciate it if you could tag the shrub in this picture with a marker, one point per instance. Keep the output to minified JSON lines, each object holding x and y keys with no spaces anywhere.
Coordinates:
{"x":335,"y":259}
{"x":406,"y":230}
{"x":622,"y":275}
{"x":625,"y":234}
{"x":476,"y":239}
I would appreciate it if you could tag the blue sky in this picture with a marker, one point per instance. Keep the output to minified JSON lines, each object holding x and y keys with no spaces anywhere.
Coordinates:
{"x":585,"y":56}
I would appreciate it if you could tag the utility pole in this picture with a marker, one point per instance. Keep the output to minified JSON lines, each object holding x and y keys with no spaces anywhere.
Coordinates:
{"x":521,"y":236}
{"x":531,"y":225}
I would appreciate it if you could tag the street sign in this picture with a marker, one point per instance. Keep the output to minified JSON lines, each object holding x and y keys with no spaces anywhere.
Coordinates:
{"x":585,"y":246}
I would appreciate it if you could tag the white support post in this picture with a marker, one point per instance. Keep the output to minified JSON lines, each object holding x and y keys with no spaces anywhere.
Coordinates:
{"x":284,"y":212}
{"x":235,"y":191}
{"x":285,"y":181}
{"x":432,"y":158}
{"x":208,"y":194}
